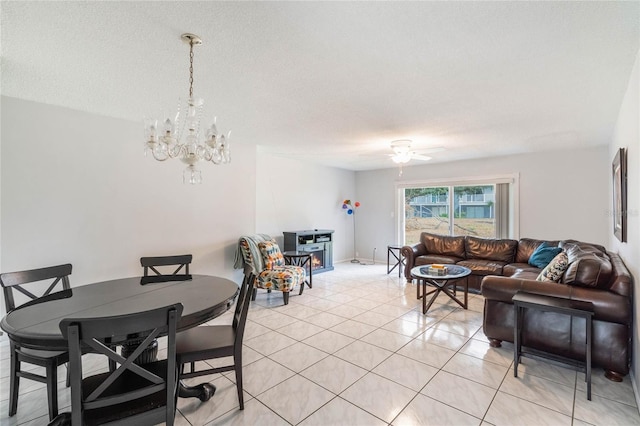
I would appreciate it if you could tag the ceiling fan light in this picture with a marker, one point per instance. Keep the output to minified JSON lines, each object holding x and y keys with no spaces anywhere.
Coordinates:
{"x":401,"y":147}
{"x":401,"y":158}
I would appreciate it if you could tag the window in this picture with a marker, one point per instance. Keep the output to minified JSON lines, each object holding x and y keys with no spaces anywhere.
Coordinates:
{"x":478,"y":207}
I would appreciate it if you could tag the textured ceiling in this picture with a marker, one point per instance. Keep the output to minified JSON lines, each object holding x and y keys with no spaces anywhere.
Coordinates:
{"x":336,"y":82}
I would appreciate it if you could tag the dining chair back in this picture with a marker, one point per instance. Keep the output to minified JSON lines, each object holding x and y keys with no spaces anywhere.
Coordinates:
{"x":15,"y":281}
{"x":134,"y":394}
{"x":14,"y":286}
{"x":217,"y":341}
{"x":151,"y":263}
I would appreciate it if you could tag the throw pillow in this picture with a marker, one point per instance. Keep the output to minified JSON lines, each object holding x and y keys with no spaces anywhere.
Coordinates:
{"x":271,"y":254}
{"x":554,"y":270}
{"x":543,"y":254}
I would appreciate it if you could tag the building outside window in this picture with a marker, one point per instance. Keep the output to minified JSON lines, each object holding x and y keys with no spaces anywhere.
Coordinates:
{"x":478,"y":208}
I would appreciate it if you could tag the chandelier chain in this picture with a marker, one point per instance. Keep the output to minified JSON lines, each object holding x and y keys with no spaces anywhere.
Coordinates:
{"x":191,"y":69}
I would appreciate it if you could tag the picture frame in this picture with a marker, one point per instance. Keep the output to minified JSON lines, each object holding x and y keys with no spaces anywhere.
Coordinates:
{"x":619,"y":169}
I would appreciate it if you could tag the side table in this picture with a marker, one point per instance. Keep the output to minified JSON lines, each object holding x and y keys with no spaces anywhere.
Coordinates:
{"x":302,"y":259}
{"x":576,"y":308}
{"x":396,"y":252}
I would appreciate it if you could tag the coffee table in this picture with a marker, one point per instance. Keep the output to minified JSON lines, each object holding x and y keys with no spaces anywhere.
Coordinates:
{"x":441,"y":284}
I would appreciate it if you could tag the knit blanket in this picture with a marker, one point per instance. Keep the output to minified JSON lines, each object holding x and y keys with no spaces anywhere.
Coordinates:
{"x":248,"y":255}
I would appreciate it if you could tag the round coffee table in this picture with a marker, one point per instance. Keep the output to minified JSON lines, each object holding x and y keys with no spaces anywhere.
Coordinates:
{"x":441,"y":283}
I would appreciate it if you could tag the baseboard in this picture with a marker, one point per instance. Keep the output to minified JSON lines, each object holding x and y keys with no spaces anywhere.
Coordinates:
{"x":635,"y":387}
{"x":360,"y":261}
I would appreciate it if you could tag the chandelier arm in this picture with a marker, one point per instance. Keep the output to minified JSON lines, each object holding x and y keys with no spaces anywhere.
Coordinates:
{"x":176,"y":150}
{"x":155,"y":156}
{"x":201,"y":152}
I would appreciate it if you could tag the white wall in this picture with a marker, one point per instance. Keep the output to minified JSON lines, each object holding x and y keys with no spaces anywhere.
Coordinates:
{"x":562,"y":195}
{"x":292,"y":195}
{"x":627,"y":135}
{"x":77,"y":188}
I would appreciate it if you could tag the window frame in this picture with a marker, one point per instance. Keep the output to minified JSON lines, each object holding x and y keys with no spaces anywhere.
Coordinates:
{"x":514,"y":197}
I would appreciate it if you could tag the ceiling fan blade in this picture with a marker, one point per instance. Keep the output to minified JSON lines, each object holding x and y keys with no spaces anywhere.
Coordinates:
{"x":430,"y":150}
{"x":420,"y":157}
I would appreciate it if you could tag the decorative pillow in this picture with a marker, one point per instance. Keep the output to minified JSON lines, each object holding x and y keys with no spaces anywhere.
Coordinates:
{"x":554,"y":270}
{"x":542,"y":255}
{"x":271,"y":254}
{"x":588,"y":266}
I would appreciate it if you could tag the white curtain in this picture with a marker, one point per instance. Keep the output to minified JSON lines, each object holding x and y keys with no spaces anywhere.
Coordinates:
{"x":502,"y":210}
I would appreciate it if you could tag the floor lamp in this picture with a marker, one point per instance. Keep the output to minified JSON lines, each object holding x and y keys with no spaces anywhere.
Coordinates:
{"x":351,"y":211}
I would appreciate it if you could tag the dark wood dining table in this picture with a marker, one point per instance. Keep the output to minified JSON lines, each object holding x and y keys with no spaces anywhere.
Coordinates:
{"x":203,"y":297}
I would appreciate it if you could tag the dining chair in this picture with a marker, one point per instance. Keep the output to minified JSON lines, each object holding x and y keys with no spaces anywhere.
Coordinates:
{"x":216,"y":341}
{"x":153,"y":263}
{"x":261,"y":258}
{"x":12,"y":284}
{"x":133,"y":394}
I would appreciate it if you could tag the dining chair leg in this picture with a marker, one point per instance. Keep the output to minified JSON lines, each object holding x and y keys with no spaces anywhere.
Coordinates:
{"x":14,"y":382}
{"x":62,"y":419}
{"x":52,"y":390}
{"x":285,"y":294}
{"x":254,"y":293}
{"x":238,"y":364}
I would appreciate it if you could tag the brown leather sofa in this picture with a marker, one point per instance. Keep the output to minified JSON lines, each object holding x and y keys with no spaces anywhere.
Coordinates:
{"x":500,"y":268}
{"x":483,"y":256}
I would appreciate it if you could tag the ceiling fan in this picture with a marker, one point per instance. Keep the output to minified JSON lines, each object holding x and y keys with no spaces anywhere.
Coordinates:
{"x":402,"y":152}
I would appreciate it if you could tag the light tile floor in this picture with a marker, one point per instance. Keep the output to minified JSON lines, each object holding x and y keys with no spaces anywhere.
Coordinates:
{"x":357,"y":350}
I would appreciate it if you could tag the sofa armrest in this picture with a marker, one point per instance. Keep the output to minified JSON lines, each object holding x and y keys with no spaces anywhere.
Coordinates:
{"x":503,"y":289}
{"x":607,"y":305}
{"x":410,"y":253}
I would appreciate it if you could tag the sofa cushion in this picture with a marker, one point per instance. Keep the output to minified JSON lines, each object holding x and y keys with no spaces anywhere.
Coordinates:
{"x":543,"y":255}
{"x":526,"y":247}
{"x":588,"y":266}
{"x":514,"y":268}
{"x":554,"y":270}
{"x":526,"y":275}
{"x":428,"y":259}
{"x":443,"y":245}
{"x":483,"y":266}
{"x":482,"y":248}
{"x":589,"y":247}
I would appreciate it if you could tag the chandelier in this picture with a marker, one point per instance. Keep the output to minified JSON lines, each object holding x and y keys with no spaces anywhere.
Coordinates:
{"x":167,"y":142}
